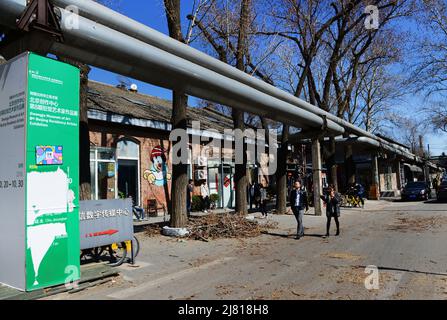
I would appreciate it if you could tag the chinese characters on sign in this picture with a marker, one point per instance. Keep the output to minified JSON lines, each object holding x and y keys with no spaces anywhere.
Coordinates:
{"x":14,"y":114}
{"x":106,"y":213}
{"x":45,"y":109}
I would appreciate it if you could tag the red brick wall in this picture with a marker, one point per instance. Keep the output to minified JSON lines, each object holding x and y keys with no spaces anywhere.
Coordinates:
{"x":147,"y":190}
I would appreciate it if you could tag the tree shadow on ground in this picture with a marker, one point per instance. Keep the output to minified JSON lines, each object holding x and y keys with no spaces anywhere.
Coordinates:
{"x":292,"y":235}
{"x":435,"y":201}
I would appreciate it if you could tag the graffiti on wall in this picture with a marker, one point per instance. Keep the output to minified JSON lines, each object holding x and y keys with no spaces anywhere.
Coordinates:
{"x":158,"y":174}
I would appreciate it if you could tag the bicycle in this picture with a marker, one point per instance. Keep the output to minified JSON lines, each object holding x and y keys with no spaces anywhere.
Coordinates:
{"x":350,"y":200}
{"x":354,"y":200}
{"x":116,"y":253}
{"x":133,"y":245}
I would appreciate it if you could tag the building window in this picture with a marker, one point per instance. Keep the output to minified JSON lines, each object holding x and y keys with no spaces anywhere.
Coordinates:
{"x":128,"y":159}
{"x":127,"y":149}
{"x":103,"y":173}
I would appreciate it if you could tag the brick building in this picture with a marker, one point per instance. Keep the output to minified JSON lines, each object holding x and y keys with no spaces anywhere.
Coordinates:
{"x":130,"y":151}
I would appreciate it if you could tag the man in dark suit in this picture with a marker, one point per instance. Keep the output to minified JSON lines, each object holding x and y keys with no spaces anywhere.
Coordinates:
{"x":298,"y":202}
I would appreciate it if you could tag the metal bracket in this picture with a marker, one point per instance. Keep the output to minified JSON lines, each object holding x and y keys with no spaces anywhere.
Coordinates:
{"x":39,"y":15}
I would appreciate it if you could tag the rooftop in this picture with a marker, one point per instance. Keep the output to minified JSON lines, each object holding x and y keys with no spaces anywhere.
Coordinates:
{"x":112,"y":100}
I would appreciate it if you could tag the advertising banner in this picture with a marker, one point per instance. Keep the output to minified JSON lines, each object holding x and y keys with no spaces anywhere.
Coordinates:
{"x":12,"y":171}
{"x":52,"y":172}
{"x":43,"y":169}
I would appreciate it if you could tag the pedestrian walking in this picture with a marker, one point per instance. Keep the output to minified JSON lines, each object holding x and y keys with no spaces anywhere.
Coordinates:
{"x":435,"y":184}
{"x":189,"y":190}
{"x":360,"y":190}
{"x":263,"y":201}
{"x":332,"y":202}
{"x":205,"y":196}
{"x":298,"y":202}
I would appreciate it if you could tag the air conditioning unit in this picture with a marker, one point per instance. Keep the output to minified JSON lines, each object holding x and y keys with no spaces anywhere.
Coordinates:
{"x":202,"y":161}
{"x":200,"y":175}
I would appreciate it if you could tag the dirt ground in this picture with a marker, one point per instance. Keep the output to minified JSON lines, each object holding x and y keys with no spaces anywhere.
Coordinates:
{"x":405,"y":241}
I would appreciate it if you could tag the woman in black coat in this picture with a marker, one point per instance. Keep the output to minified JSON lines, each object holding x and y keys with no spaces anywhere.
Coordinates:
{"x":332,"y":202}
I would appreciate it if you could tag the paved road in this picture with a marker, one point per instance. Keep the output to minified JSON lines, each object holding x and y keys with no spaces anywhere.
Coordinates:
{"x":407,"y":241}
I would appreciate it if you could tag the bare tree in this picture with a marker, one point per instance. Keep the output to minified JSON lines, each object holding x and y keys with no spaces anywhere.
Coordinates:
{"x":430,"y":71}
{"x":437,"y":116}
{"x":410,"y":131}
{"x":305,"y":24}
{"x":85,"y":189}
{"x":179,"y":121}
{"x":227,"y":28}
{"x":330,"y":37}
{"x":376,"y":93}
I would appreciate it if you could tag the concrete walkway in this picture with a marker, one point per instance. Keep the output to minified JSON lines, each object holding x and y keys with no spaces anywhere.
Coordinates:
{"x":369,"y":205}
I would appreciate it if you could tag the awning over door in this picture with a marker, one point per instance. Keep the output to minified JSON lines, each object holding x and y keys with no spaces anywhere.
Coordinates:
{"x":413,"y":168}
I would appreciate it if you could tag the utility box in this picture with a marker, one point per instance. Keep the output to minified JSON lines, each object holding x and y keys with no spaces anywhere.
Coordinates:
{"x":39,"y":172}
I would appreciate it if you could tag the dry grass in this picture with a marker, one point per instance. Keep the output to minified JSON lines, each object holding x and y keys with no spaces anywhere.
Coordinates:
{"x":342,"y":255}
{"x":215,"y":226}
{"x":153,"y":229}
{"x":417,"y":224}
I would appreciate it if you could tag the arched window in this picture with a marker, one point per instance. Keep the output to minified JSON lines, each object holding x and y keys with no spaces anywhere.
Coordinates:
{"x":127,"y":149}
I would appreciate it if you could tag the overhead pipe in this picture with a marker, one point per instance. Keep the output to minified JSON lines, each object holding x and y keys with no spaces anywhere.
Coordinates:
{"x":109,"y":49}
{"x":108,"y":17}
{"x":176,"y":73}
{"x":376,"y":144}
{"x":120,"y":22}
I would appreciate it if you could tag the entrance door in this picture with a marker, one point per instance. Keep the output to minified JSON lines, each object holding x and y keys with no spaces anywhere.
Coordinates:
{"x":214,"y":182}
{"x":106,"y":180}
{"x":228,"y":199}
{"x":128,"y":179}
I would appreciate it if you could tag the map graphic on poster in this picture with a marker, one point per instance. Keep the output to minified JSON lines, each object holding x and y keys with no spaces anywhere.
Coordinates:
{"x":49,"y":155}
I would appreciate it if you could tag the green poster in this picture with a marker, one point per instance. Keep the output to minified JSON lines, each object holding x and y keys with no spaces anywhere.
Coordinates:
{"x":52,"y":173}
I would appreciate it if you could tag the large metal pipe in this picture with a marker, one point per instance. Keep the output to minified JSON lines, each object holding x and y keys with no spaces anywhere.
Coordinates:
{"x":376,"y":144}
{"x":136,"y":30}
{"x":103,"y":47}
{"x":106,"y":16}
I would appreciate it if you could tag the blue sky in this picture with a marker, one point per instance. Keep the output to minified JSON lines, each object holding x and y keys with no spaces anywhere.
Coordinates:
{"x":151,"y":13}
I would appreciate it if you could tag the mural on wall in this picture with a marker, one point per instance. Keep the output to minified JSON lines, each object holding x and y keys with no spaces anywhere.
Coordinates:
{"x":158,"y":174}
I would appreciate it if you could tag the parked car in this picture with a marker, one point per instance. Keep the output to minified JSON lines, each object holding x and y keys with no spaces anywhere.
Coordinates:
{"x":416,"y":190}
{"x":441,"y":193}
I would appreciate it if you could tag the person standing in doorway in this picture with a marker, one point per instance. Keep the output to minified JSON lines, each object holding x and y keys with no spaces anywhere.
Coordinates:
{"x":298,"y":202}
{"x":332,"y":201}
{"x":189,"y":190}
{"x":205,"y":196}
